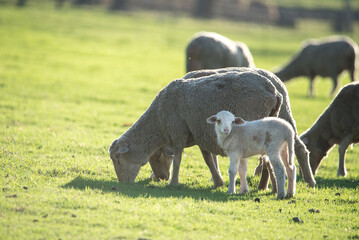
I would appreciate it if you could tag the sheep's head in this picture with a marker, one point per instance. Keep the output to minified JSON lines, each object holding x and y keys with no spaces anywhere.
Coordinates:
{"x":317,"y":148}
{"x":161,"y":162}
{"x":126,"y":160}
{"x":224,"y":121}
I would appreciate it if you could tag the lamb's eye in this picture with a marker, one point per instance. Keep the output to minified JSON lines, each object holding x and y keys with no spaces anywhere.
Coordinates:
{"x":219,"y":121}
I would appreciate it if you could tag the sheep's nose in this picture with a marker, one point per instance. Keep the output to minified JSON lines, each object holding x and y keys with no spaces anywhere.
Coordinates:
{"x":226,"y":131}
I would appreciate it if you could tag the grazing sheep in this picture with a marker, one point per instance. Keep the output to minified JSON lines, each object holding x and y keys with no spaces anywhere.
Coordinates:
{"x":208,"y":50}
{"x":338,"y":124}
{"x":175,"y":119}
{"x":327,"y":58}
{"x":242,"y":139}
{"x":284,"y":113}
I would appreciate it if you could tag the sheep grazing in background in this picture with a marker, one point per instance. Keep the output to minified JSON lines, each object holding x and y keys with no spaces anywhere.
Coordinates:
{"x":338,"y":124}
{"x":242,"y":139}
{"x":175,"y":120}
{"x":327,"y":57}
{"x":208,"y":50}
{"x":284,"y":113}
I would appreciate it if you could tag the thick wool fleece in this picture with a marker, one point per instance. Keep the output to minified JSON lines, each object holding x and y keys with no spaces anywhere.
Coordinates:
{"x":208,"y":50}
{"x":284,"y":113}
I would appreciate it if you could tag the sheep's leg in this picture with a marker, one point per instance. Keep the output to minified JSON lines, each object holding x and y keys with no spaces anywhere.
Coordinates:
{"x":272,"y":176}
{"x":311,"y":82}
{"x":242,"y":169}
{"x":211,"y":163}
{"x":232,"y":171}
{"x":303,"y":159}
{"x":291,"y":172}
{"x":215,"y":158}
{"x":263,"y":182}
{"x":176,"y":166}
{"x":267,"y":171}
{"x":259,"y":168}
{"x":352,"y":73}
{"x":279,"y":174}
{"x":335,"y":85}
{"x":342,"y":150}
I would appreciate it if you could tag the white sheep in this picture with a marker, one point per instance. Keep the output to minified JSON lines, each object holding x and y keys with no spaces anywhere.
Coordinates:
{"x":269,"y":136}
{"x":209,"y":50}
{"x":175,"y":120}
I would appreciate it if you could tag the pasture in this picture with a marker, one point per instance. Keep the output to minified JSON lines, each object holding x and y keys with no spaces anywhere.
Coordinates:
{"x":73,"y":80}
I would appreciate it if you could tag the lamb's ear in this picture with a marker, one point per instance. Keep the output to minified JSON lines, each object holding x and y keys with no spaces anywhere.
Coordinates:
{"x":239,"y":121}
{"x":123,"y":148}
{"x":212,"y":119}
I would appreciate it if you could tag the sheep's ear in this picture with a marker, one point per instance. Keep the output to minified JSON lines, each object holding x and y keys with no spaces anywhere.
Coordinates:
{"x":212,"y":119}
{"x":239,"y":121}
{"x":123,"y":148}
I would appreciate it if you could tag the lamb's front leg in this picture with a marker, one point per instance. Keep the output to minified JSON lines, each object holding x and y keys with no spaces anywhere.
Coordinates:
{"x":232,"y":171}
{"x":242,"y":169}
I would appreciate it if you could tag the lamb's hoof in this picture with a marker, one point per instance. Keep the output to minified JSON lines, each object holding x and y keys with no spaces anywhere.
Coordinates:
{"x":174,"y":182}
{"x":231,"y":192}
{"x":289,"y":195}
{"x":244,"y":192}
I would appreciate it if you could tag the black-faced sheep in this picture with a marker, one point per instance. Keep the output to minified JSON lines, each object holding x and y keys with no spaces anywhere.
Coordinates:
{"x":338,"y":124}
{"x":208,"y":50}
{"x":176,"y":117}
{"x":327,"y":57}
{"x":242,"y":139}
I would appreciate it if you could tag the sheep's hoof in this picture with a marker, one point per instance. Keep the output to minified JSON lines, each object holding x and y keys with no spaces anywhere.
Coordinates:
{"x":218,"y":184}
{"x":341,"y":173}
{"x":280,"y":197}
{"x":231,"y":192}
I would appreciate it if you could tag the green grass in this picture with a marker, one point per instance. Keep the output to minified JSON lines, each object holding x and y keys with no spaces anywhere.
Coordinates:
{"x":73,"y":80}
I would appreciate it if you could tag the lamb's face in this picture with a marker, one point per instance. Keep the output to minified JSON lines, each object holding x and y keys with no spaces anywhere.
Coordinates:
{"x":127,"y":162}
{"x":224,"y":121}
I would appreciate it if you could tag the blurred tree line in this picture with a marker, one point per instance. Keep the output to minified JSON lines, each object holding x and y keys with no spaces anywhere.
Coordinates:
{"x":261,"y":11}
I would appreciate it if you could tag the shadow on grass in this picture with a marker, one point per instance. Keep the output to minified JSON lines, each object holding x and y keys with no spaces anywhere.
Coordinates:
{"x":337,"y":182}
{"x":147,"y":188}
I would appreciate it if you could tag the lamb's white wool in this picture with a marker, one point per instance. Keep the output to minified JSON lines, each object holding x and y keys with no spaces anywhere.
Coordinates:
{"x":269,"y":136}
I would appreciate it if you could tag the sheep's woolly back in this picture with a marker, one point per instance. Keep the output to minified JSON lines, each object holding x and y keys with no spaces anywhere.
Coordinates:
{"x":285,"y":109}
{"x":208,"y":50}
{"x":185,"y":104}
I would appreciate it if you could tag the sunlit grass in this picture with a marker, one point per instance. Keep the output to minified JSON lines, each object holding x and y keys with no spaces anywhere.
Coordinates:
{"x":73,"y":80}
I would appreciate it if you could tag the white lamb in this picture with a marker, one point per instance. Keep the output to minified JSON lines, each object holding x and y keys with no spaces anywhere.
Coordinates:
{"x":269,"y":136}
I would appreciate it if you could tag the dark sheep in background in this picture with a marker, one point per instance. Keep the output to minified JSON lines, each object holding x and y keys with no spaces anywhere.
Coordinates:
{"x":326,"y":57}
{"x":208,"y":50}
{"x":338,"y":124}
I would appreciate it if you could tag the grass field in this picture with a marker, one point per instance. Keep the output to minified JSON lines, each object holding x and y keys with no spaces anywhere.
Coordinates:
{"x":73,"y":80}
